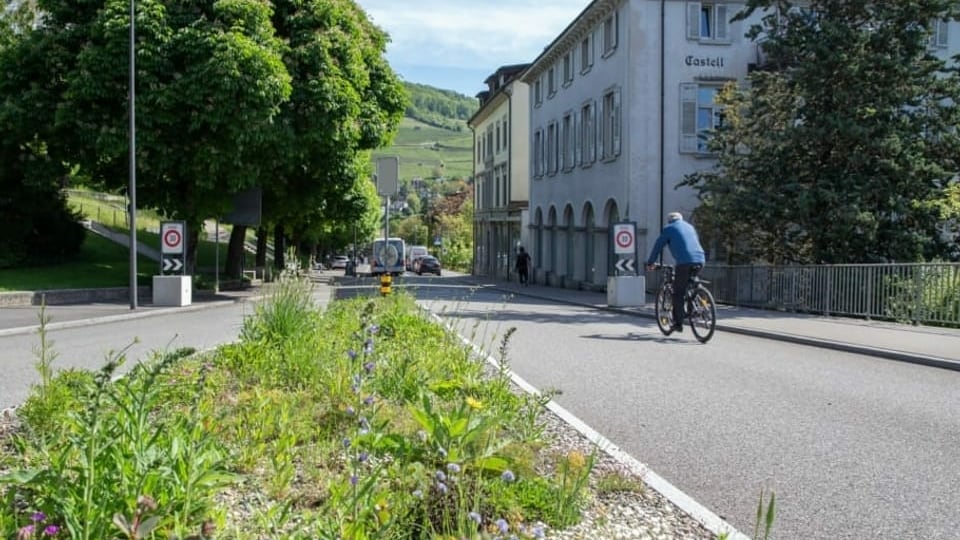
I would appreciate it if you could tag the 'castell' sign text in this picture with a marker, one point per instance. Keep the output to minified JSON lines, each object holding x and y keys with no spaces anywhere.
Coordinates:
{"x":716,"y":61}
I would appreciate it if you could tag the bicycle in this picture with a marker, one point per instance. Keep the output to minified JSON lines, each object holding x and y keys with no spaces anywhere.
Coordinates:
{"x":701,"y":309}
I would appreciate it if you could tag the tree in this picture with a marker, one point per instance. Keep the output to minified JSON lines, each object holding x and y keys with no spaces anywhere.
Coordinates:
{"x":844,"y":148}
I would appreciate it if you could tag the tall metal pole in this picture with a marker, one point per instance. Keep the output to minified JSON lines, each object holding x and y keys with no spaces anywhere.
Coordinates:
{"x":132,"y":190}
{"x":216,"y":259}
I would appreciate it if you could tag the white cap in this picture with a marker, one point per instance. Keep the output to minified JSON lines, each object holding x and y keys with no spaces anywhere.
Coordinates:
{"x":674,"y":216}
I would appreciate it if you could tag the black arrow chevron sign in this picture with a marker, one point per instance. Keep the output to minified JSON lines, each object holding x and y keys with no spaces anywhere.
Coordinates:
{"x":626,"y":265}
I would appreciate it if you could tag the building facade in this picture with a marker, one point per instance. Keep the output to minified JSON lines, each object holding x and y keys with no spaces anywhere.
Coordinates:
{"x":501,"y":169}
{"x":620,"y":103}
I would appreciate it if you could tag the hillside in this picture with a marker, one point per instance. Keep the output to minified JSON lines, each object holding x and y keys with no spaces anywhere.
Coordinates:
{"x":434,"y":139}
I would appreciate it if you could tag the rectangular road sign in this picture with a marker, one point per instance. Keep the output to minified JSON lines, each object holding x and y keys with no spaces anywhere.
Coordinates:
{"x":173,"y":237}
{"x":388,"y":175}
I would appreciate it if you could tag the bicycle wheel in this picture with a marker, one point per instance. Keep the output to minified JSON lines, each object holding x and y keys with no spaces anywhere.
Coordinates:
{"x":663,"y":309}
{"x":702,"y":314}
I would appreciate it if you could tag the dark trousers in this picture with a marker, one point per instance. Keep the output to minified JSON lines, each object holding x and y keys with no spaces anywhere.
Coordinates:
{"x":522,"y":272}
{"x":681,"y":280}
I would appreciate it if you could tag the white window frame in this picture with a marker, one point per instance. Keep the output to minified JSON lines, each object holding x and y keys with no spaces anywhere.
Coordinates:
{"x":610,"y":124}
{"x":538,"y":160}
{"x":551,"y":82}
{"x":717,"y":18}
{"x":586,"y":54}
{"x":693,"y":137}
{"x":538,"y":92}
{"x":569,"y":142}
{"x":568,"y":69}
{"x":939,"y":34}
{"x":611,"y":33}
{"x":588,"y":133}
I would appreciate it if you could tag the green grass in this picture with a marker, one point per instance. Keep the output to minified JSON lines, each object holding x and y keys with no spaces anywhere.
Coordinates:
{"x":101,"y":263}
{"x":109,"y":210}
{"x":425,"y":150}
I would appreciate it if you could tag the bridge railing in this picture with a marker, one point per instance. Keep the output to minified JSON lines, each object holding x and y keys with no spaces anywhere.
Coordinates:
{"x":921,"y":293}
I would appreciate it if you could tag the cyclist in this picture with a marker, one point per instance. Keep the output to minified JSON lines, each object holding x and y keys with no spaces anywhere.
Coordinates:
{"x":689,"y":256}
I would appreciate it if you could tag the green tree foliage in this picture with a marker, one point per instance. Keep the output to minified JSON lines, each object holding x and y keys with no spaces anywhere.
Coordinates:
{"x":842,"y":150}
{"x":439,"y":108}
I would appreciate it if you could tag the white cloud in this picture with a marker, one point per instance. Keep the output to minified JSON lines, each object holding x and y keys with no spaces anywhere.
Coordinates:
{"x":478,"y":34}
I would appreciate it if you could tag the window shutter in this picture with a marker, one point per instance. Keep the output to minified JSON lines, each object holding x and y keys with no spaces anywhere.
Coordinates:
{"x":593,"y":131}
{"x":693,"y":20}
{"x":723,"y":33}
{"x":601,"y":117}
{"x":942,"y":36}
{"x":688,"y":118}
{"x":543,"y":157}
{"x":575,"y":140}
{"x":616,"y":123}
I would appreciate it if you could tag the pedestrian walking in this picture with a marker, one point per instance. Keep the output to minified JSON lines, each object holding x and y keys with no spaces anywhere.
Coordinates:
{"x":523,"y":265}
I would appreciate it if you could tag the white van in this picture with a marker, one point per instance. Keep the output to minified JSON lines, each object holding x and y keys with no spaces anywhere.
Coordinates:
{"x":414,"y":253}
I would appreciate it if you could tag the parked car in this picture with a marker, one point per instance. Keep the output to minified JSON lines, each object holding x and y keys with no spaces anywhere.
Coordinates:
{"x":339,"y":262}
{"x":428,"y":264}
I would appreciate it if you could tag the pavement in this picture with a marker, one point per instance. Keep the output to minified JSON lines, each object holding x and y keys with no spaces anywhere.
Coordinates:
{"x":932,"y":346}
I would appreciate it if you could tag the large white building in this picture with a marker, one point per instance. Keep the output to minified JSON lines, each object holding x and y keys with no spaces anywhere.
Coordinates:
{"x":619,"y":103}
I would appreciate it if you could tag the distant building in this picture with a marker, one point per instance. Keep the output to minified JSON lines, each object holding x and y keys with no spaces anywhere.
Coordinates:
{"x":501,"y":171}
{"x":619,"y":106}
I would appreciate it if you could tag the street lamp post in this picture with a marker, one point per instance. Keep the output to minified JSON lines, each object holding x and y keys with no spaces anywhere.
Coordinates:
{"x":132,"y":189}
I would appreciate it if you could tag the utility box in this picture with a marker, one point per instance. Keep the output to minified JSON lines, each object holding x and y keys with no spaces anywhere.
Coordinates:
{"x":626,"y":291}
{"x":172,"y":290}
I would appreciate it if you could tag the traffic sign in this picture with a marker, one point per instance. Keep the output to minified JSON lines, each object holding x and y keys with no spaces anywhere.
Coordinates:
{"x":626,"y":265}
{"x":388,"y":173}
{"x":171,"y":265}
{"x":624,"y":238}
{"x":172,"y":237}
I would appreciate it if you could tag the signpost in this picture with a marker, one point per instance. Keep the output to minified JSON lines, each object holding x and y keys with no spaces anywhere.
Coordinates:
{"x":625,"y":243}
{"x":172,"y":247}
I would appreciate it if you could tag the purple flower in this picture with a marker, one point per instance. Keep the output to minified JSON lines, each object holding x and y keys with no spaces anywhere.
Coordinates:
{"x":502,"y":525}
{"x":453,"y":467}
{"x":364,"y":425}
{"x":508,"y":476}
{"x":442,"y":488}
{"x":369,"y":367}
{"x":373,"y":329}
{"x":346,"y":442}
{"x":368,"y":346}
{"x":51,"y":530}
{"x":418,"y":493}
{"x":352,"y":354}
{"x":475,"y":517}
{"x":363,"y":457}
{"x":351,"y":411}
{"x":25,"y":532}
{"x":38,"y":516}
{"x":368,"y":400}
{"x":354,"y":479}
{"x":441,"y":476}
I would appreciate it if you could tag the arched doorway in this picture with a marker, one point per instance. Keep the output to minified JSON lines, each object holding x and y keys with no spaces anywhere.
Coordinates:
{"x":590,"y":256}
{"x":570,"y":254}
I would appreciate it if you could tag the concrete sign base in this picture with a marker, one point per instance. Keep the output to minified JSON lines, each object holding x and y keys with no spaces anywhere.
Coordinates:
{"x":172,"y":290}
{"x":626,"y":291}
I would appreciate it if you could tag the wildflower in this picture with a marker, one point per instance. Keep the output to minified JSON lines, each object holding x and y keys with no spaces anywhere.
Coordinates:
{"x":352,"y":354}
{"x":25,"y":532}
{"x":443,"y":451}
{"x":537,"y":531}
{"x":350,"y":410}
{"x":418,"y":493}
{"x":373,"y":329}
{"x":354,"y":479}
{"x":474,"y":403}
{"x":38,"y":517}
{"x":369,"y":367}
{"x":508,"y":476}
{"x":368,"y":400}
{"x":346,"y":442}
{"x":368,"y":346}
{"x":442,"y":488}
{"x":576,"y":460}
{"x":441,"y":476}
{"x":475,"y":517}
{"x":363,"y":457}
{"x":453,"y":467}
{"x":51,"y":530}
{"x":502,"y":525}
{"x":422,"y":435}
{"x":364,"y":425}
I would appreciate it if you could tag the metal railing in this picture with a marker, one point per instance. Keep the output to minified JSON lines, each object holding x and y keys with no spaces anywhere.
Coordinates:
{"x":921,"y":293}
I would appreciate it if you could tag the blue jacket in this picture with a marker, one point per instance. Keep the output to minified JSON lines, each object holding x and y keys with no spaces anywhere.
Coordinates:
{"x":683,"y":241}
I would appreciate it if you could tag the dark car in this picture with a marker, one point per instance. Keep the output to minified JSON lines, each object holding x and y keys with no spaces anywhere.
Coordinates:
{"x":428,"y":264}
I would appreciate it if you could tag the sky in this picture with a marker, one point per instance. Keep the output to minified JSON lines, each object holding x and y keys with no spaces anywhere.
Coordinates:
{"x":456,"y":44}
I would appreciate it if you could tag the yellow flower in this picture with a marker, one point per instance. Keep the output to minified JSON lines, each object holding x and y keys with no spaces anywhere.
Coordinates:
{"x":576,"y":460}
{"x":474,"y":403}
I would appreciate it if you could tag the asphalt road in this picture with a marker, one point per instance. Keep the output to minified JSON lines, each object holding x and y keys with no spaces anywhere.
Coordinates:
{"x":854,"y":447}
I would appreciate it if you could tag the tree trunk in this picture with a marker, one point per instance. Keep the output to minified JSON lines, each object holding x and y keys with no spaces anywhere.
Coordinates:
{"x":262,"y":246}
{"x":235,"y":251}
{"x":190,"y":256}
{"x":278,"y":246}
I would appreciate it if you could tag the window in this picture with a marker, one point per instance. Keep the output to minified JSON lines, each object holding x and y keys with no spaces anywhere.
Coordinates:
{"x":505,"y":130}
{"x":708,"y":21}
{"x":588,"y":134}
{"x":567,"y":69}
{"x":568,"y":141}
{"x":498,"y":137}
{"x":610,"y":125}
{"x":939,"y":38}
{"x":700,"y":115}
{"x":552,"y":148}
{"x":551,"y":82}
{"x":538,"y":153}
{"x":586,"y":54}
{"x":538,"y":91}
{"x":479,"y":151}
{"x":610,"y":34}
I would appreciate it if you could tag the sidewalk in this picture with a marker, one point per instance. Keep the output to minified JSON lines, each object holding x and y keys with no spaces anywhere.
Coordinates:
{"x":926,"y":345}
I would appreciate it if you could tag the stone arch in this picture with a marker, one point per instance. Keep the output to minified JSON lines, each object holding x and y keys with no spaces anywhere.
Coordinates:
{"x":569,"y":241}
{"x":589,"y":243}
{"x":551,"y":260}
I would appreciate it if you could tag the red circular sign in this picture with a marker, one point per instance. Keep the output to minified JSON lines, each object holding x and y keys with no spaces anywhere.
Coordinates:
{"x":624,"y":239}
{"x":172,"y":238}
